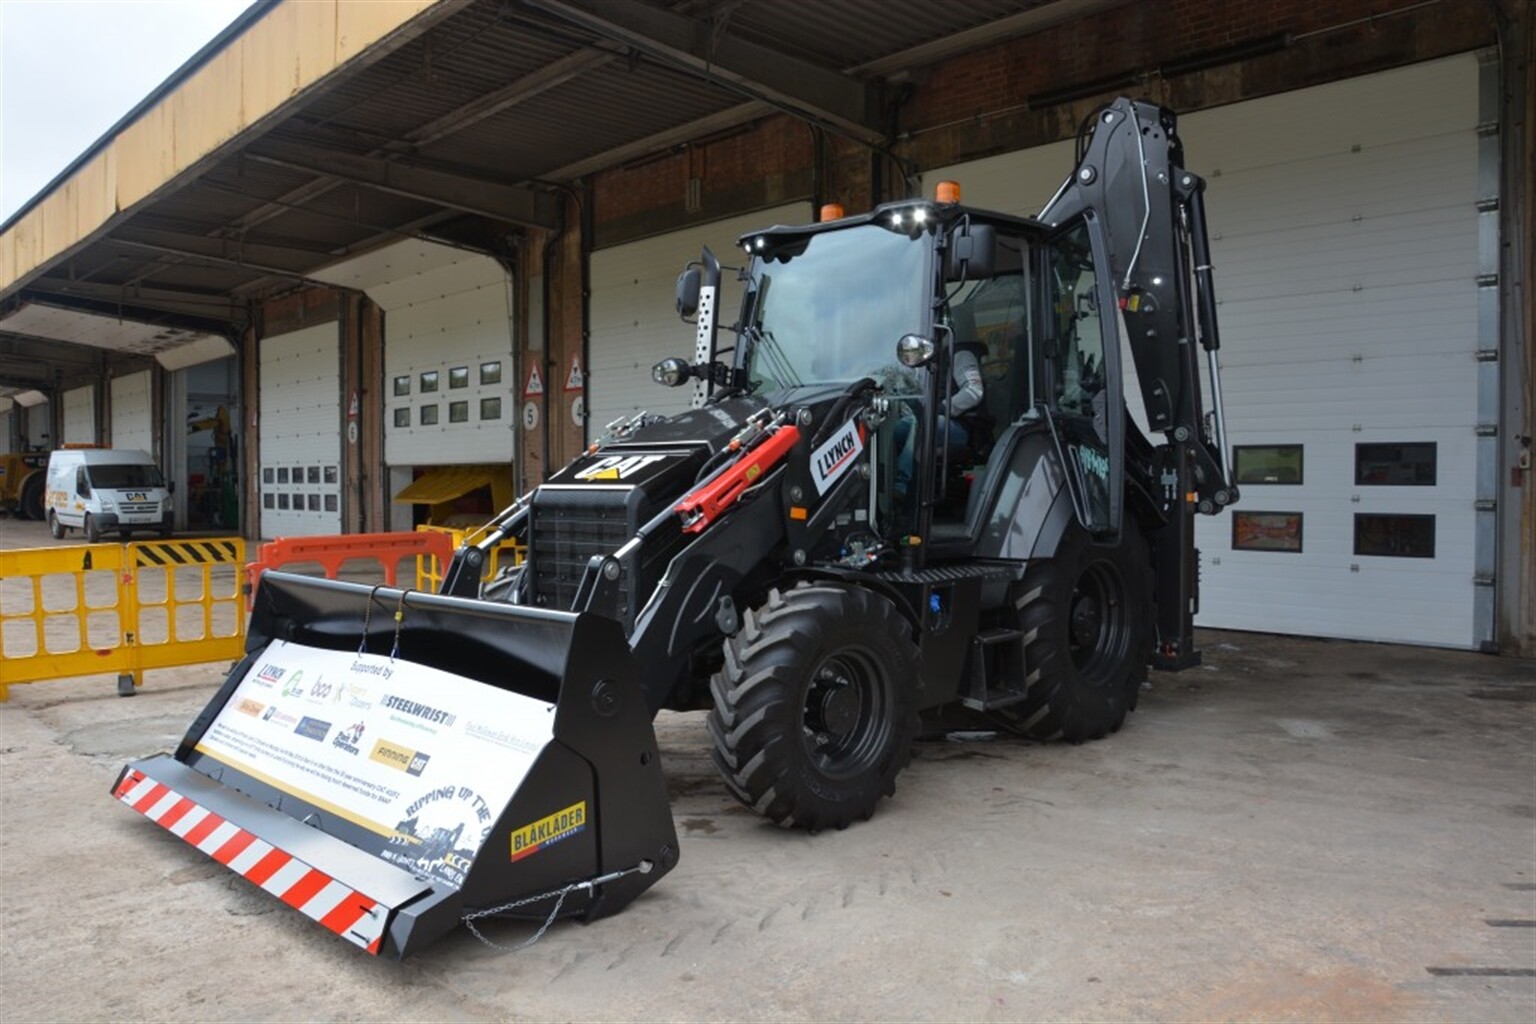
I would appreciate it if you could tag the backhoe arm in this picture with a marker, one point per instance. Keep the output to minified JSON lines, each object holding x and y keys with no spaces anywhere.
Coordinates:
{"x":1130,"y":176}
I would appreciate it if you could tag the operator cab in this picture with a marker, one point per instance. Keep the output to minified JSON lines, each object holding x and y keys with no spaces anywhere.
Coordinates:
{"x":826,"y":304}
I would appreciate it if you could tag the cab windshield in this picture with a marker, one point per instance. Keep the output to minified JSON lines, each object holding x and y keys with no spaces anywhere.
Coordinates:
{"x":830,"y":308}
{"x":126,"y":476}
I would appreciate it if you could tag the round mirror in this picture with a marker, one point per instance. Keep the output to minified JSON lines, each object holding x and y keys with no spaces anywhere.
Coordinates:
{"x":670,"y":372}
{"x":913,"y":350}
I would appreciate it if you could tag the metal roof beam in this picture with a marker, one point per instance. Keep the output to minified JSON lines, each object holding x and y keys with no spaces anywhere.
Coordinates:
{"x":204,"y":305}
{"x":809,"y":90}
{"x":243,"y":265}
{"x":707,"y":125}
{"x":256,"y":256}
{"x":450,"y":189}
{"x":1036,"y":19}
{"x":533,"y":84}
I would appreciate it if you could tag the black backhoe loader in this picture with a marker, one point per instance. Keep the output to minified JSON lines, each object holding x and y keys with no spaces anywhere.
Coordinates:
{"x":806,"y":553}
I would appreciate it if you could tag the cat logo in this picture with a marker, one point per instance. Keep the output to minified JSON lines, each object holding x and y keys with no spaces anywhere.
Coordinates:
{"x":617,"y":467}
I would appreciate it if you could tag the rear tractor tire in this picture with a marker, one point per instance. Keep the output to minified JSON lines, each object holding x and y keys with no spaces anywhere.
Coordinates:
{"x":815,"y":706}
{"x":1087,"y":620}
{"x":30,"y":503}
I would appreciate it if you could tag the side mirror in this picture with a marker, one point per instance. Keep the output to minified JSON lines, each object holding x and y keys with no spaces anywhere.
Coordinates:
{"x":913,"y":350}
{"x":83,"y":489}
{"x":972,"y":254}
{"x":671,"y":372}
{"x":688,"y":293}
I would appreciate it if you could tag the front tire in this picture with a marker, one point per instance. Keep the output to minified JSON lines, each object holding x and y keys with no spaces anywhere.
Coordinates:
{"x":92,"y":529}
{"x":1087,"y":620}
{"x":815,"y":706}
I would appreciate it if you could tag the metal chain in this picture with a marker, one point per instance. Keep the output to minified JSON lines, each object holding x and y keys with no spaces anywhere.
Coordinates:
{"x":399,"y":622}
{"x":362,"y":645}
{"x":644,"y":868}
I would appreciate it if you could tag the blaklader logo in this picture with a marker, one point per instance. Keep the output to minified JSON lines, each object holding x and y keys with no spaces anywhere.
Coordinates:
{"x":536,"y":835}
{"x":836,"y":456}
{"x":412,"y":762}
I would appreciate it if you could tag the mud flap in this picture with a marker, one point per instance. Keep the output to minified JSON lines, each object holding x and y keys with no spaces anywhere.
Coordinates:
{"x":389,"y":762}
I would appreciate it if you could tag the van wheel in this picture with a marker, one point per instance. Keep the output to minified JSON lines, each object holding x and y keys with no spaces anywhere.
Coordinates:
{"x":92,"y":530}
{"x":54,"y":526}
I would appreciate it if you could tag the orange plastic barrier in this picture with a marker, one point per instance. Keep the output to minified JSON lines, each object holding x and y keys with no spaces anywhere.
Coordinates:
{"x":331,"y":553}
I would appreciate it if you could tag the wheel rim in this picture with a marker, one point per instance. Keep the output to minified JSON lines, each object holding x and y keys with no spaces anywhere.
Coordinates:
{"x":1098,"y":630}
{"x":846,"y":723}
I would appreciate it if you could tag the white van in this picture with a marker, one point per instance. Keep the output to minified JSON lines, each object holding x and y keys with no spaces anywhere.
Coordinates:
{"x":101,"y":489}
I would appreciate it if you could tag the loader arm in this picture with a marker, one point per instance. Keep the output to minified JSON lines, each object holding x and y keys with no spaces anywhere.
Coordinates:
{"x":1130,"y":177}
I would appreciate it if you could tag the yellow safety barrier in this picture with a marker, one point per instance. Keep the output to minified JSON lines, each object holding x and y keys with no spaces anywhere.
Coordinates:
{"x":88,"y":609}
{"x":429,"y":570}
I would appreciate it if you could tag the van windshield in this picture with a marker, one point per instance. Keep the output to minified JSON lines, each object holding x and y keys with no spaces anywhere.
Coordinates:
{"x":120,"y":477}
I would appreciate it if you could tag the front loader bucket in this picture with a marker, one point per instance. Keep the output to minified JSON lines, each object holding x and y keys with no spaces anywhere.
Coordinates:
{"x":391,"y":762}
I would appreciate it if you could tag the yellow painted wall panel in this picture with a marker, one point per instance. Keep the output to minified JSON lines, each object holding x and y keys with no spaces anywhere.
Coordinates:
{"x":292,"y":46}
{"x":96,"y":197}
{"x":145,"y":155}
{"x":58,"y":224}
{"x":269,"y":60}
{"x":361,"y":23}
{"x":8,"y":270}
{"x":208,"y":109}
{"x":29,"y":241}
{"x":314,"y":40}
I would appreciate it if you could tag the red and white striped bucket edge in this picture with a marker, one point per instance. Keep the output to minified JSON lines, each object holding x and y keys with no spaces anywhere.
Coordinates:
{"x":354,"y":916}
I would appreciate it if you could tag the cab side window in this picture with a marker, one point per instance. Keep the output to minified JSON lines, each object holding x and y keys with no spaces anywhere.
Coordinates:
{"x":82,"y":483}
{"x":992,"y":315}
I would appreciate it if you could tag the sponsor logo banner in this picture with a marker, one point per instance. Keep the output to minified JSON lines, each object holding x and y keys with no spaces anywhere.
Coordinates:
{"x":423,"y":760}
{"x":312,"y":728}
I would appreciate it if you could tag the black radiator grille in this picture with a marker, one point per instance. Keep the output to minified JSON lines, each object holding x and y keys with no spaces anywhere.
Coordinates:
{"x":565,"y":534}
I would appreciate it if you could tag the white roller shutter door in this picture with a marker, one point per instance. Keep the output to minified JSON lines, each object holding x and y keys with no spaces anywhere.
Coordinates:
{"x":449,"y":392}
{"x":300,"y":433}
{"x":37,"y":419}
{"x":80,"y":415}
{"x":634,"y":317}
{"x":1345,"y":254}
{"x":132,"y":424}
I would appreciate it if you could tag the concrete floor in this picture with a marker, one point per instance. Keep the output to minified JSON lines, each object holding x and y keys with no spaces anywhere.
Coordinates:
{"x":1297,"y":830}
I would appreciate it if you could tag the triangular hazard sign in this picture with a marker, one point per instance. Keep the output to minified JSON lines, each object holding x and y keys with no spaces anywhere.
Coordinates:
{"x":535,"y":382}
{"x":573,"y":380}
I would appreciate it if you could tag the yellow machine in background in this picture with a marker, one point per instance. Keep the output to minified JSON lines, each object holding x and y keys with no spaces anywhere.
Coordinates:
{"x":22,"y":475}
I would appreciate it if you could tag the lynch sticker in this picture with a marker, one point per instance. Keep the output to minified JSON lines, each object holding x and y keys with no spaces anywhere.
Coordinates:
{"x":563,"y":824}
{"x":836,"y":456}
